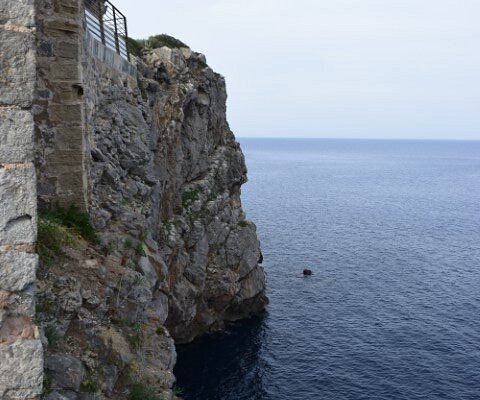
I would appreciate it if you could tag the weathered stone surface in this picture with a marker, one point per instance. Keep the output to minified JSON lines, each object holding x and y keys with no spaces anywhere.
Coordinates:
{"x":62,"y":28}
{"x":21,"y":352}
{"x":66,"y":113}
{"x":18,"y":12}
{"x":164,"y":163}
{"x":16,"y":135}
{"x":65,"y":71}
{"x":17,"y":64}
{"x":17,"y":270}
{"x":19,"y":204}
{"x":21,"y":369}
{"x":61,"y":395}
{"x":67,"y":372}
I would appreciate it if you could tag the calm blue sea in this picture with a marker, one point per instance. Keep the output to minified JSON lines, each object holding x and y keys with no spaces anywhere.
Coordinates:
{"x":391,"y":230}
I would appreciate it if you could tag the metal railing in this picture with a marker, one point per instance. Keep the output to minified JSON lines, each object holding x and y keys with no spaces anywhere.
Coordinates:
{"x":108,"y":25}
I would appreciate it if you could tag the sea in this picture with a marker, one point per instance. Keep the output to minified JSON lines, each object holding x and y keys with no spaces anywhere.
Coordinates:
{"x":391,"y":232}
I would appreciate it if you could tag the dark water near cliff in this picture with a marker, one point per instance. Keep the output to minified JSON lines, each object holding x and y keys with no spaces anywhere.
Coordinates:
{"x":391,"y":230}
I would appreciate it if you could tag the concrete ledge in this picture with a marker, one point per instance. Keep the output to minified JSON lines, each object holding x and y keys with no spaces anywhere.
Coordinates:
{"x":16,"y":135}
{"x":108,"y":56}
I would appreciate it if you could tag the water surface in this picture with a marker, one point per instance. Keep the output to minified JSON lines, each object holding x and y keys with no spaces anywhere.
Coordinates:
{"x":391,"y":230}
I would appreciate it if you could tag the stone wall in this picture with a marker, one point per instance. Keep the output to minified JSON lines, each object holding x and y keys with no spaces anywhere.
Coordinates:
{"x":59,"y":105}
{"x":21,"y":354}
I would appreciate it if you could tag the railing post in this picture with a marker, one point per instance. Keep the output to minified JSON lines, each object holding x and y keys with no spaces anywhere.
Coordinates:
{"x":117,"y":43}
{"x":100,"y":20}
{"x":126,"y":37}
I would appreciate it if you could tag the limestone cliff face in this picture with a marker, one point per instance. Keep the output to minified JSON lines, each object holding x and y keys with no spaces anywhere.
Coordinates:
{"x":176,"y":256}
{"x":165,"y":170}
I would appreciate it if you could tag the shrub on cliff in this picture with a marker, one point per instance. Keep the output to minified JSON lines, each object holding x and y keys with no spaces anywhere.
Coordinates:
{"x":72,"y":218}
{"x":140,"y":391}
{"x":58,"y":227}
{"x":135,"y":46}
{"x":163,"y":40}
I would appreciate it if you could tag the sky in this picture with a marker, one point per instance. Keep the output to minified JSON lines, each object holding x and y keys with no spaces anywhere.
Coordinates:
{"x":333,"y":68}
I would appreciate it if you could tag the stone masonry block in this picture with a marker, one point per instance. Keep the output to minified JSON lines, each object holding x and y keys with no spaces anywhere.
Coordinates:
{"x":69,"y":138}
{"x":17,"y":67}
{"x":68,"y":50}
{"x":21,"y":369}
{"x":66,"y":92}
{"x":66,"y":113}
{"x":58,"y":28}
{"x":18,"y":12}
{"x":61,"y":71}
{"x":17,"y":270}
{"x":18,"y":199}
{"x":19,"y":304}
{"x":67,"y":7}
{"x":66,"y":157}
{"x":16,"y":136}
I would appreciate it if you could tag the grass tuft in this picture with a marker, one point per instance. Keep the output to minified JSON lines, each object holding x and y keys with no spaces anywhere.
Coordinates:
{"x":177,"y":391}
{"x":52,"y":335}
{"x":136,"y":338}
{"x":189,"y":197}
{"x":141,"y":391}
{"x":72,"y":218}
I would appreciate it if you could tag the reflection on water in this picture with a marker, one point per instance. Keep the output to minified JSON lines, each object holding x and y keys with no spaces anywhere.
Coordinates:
{"x":211,"y":373}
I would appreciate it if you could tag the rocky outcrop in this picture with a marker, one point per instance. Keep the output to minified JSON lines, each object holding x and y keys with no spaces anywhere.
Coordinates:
{"x":150,"y":157}
{"x":166,"y":171}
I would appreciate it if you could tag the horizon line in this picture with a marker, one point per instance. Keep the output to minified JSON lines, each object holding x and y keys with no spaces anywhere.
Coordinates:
{"x":362,"y":138}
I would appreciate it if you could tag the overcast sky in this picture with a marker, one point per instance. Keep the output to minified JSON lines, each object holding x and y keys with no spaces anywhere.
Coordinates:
{"x":334,"y":68}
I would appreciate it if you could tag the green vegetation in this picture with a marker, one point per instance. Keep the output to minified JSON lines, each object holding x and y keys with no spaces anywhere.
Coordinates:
{"x":58,"y":227}
{"x":177,"y":391}
{"x":91,"y":382}
{"x":46,"y":306}
{"x":163,"y":40}
{"x":51,"y":238}
{"x":141,"y":391}
{"x":128,"y":244}
{"x":243,"y":224}
{"x":72,"y":218}
{"x":189,"y":197}
{"x":47,"y":384}
{"x":168,"y":226}
{"x":135,"y":46}
{"x":160,"y":331}
{"x":140,"y":251}
{"x":136,"y":339}
{"x":52,"y":335}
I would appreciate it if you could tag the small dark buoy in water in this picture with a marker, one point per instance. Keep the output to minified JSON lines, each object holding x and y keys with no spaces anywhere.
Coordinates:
{"x":307,"y":272}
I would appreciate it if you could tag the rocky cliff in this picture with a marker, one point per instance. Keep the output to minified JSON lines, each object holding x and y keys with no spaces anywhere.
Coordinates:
{"x":172,"y":255}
